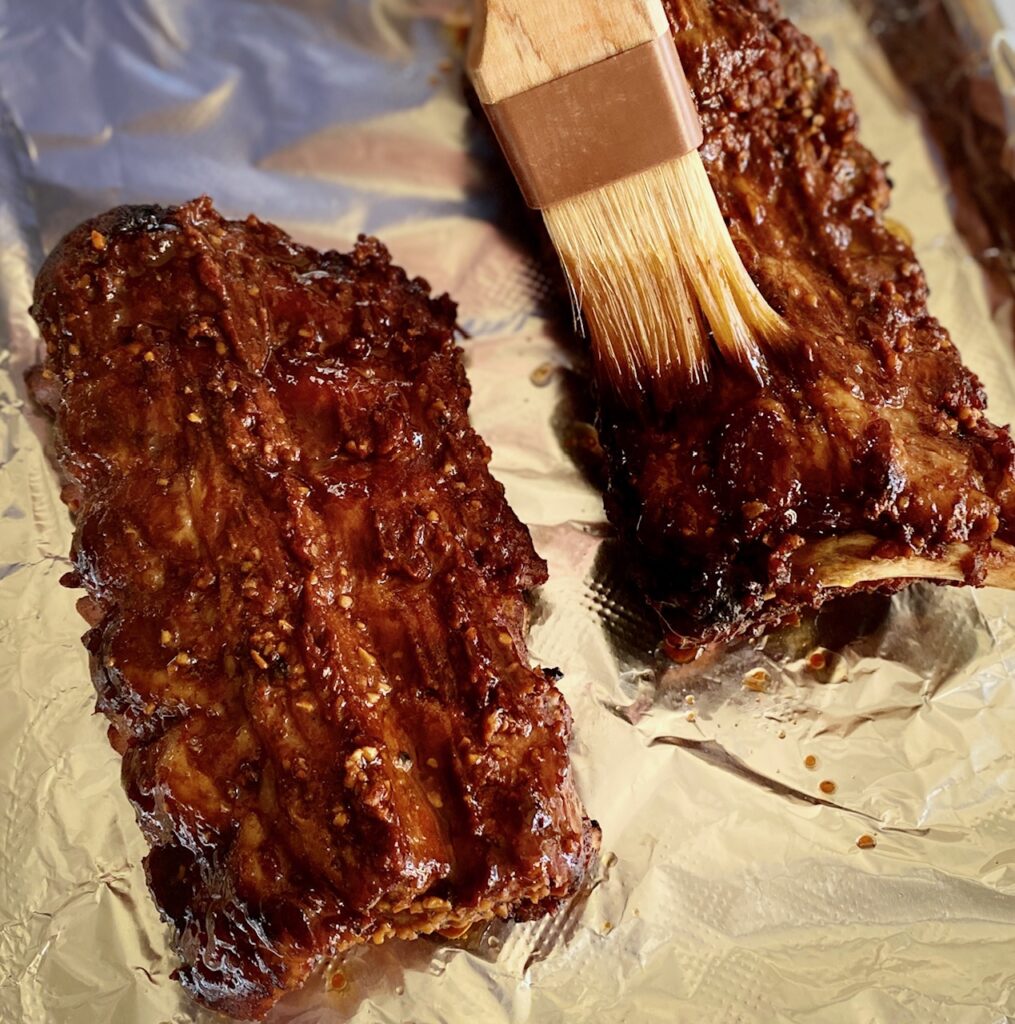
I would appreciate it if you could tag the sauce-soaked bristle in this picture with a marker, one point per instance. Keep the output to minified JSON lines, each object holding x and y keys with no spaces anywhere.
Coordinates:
{"x":651,"y":264}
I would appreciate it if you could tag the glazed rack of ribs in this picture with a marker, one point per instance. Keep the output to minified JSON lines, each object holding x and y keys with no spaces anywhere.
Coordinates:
{"x":865,"y":461}
{"x":306,"y":595}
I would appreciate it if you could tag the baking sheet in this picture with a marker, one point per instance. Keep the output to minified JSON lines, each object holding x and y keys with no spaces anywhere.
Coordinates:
{"x":732,"y":887}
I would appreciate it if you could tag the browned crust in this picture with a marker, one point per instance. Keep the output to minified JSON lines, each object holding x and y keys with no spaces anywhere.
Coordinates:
{"x":869,"y":424}
{"x":306,"y":594}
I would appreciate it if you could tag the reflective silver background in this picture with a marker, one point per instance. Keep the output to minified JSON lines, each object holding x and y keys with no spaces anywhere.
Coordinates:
{"x":732,"y":889}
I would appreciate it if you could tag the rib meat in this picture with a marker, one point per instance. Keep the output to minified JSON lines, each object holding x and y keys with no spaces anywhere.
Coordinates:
{"x":866,"y":459}
{"x":306,"y":597}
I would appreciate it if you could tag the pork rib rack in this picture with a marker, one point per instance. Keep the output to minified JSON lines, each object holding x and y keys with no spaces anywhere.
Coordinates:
{"x":306,"y":595}
{"x":865,"y":460}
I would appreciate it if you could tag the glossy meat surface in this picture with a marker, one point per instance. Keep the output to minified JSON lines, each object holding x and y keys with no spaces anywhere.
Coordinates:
{"x":869,"y":426}
{"x":306,"y":593}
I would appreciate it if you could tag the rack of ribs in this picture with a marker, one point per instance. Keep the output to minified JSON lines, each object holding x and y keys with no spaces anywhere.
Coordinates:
{"x":306,"y":597}
{"x":865,"y":460}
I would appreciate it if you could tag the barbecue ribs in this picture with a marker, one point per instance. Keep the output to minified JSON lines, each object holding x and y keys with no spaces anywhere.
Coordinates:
{"x":306,"y":597}
{"x":866,"y":460}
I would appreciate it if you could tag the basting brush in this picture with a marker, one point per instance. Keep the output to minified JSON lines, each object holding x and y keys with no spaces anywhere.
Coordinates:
{"x":591,"y":107}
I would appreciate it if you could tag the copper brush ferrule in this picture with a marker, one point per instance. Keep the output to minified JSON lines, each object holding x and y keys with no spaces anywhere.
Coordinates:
{"x":588,"y":129}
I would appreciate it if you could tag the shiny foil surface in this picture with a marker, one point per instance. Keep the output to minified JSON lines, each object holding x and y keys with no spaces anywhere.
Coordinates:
{"x":816,"y":828}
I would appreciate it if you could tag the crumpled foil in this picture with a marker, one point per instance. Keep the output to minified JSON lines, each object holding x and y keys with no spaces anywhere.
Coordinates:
{"x":816,"y":828}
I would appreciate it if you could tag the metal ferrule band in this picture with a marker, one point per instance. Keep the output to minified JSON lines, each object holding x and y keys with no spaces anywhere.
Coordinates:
{"x":604,"y":122}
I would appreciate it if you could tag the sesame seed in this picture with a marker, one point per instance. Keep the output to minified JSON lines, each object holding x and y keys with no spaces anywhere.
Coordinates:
{"x":542,"y":374}
{"x":194,"y":417}
{"x":183,"y":658}
{"x":367,"y":657}
{"x":258,"y":659}
{"x":431,"y":762}
{"x":149,"y":356}
{"x":166,"y":638}
{"x":433,"y":517}
{"x":345,"y":601}
{"x":98,"y":240}
{"x":756,"y":679}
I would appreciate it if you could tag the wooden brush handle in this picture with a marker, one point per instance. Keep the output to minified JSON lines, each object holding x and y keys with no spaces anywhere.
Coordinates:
{"x":519,"y":44}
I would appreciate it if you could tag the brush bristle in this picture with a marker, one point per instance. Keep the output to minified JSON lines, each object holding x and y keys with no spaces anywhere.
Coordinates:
{"x":652,"y":266}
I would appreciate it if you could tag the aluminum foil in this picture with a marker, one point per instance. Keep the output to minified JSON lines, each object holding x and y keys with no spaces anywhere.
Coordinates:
{"x":988,"y":30}
{"x":816,"y":828}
